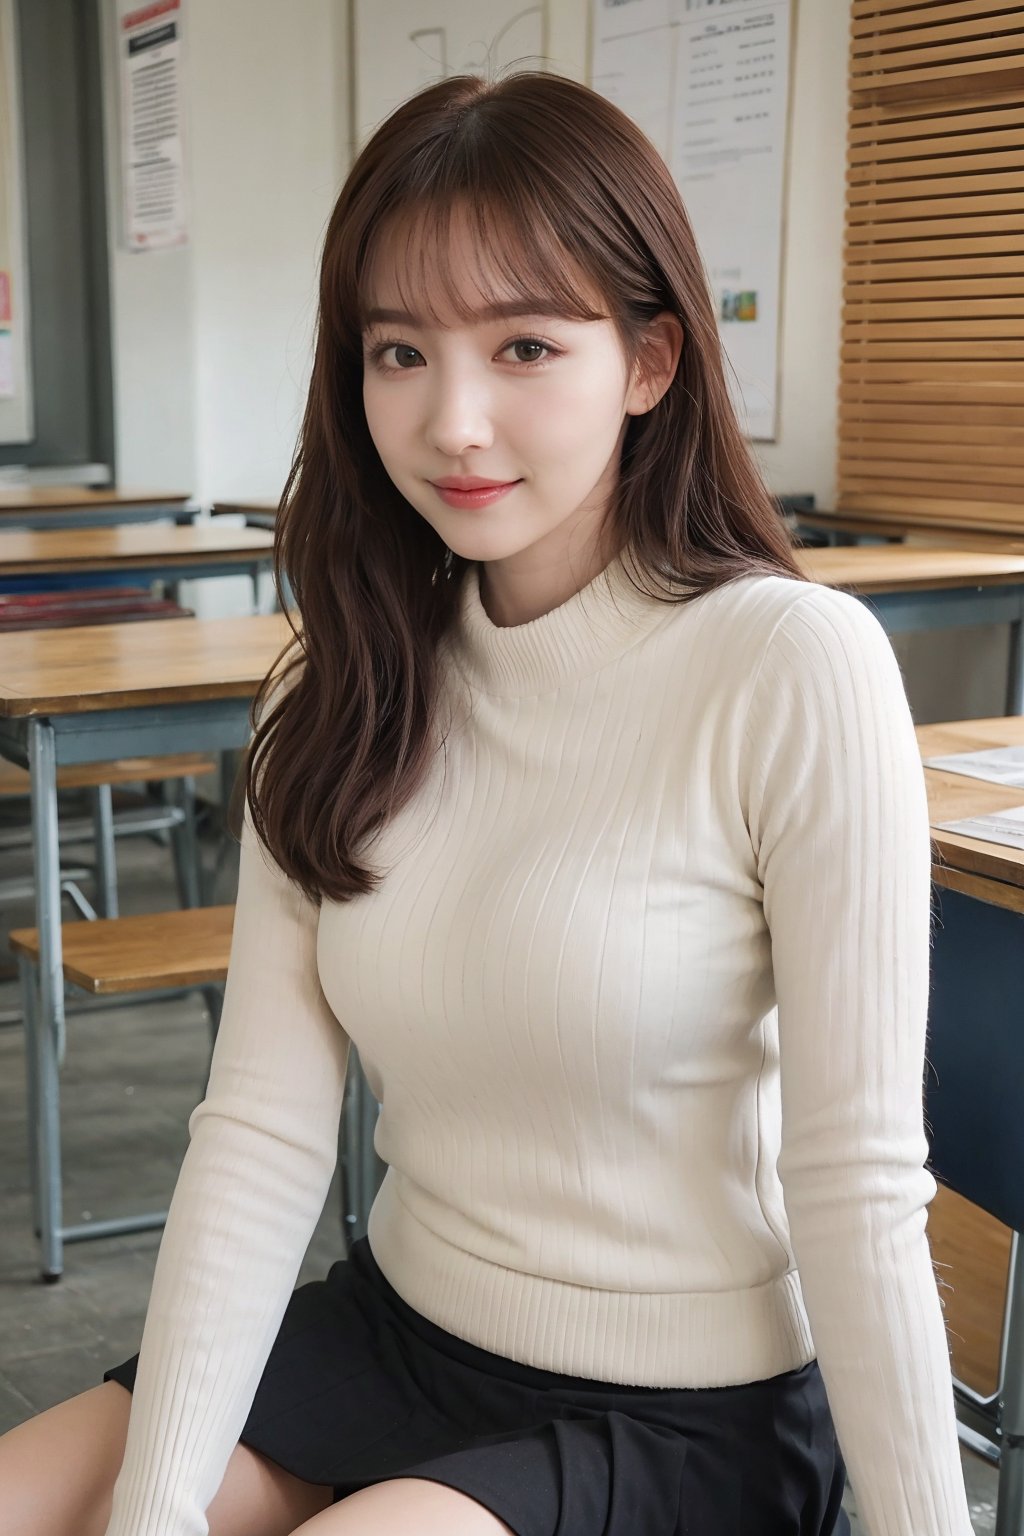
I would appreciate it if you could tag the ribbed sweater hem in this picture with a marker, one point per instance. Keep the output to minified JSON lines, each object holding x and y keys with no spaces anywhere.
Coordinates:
{"x":656,"y":1339}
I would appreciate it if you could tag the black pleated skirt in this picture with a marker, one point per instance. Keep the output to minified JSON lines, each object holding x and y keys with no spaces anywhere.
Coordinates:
{"x":359,"y":1387}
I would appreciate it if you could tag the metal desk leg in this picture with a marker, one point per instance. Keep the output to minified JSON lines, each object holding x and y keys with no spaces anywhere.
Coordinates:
{"x":42,"y":759}
{"x":185,"y":840}
{"x":30,"y":1014}
{"x":106,"y":856}
{"x":1015,"y":677}
{"x":1010,"y":1501}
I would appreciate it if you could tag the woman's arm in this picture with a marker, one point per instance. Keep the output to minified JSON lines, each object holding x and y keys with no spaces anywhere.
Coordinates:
{"x":252,"y":1185}
{"x":839,"y":821}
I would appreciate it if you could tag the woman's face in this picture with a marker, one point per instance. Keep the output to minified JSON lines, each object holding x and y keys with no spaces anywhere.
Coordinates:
{"x":532,"y":401}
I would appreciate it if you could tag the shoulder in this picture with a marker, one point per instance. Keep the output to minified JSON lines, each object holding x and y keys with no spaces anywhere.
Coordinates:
{"x":832,"y":643}
{"x":780,"y":624}
{"x":827,"y":681}
{"x":770,"y":604}
{"x":782,"y":657}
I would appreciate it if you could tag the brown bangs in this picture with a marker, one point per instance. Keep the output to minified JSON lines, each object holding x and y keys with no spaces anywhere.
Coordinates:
{"x":522,"y":265}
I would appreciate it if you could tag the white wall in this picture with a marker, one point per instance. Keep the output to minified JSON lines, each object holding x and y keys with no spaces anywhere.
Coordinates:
{"x":212,"y":340}
{"x":266,"y":159}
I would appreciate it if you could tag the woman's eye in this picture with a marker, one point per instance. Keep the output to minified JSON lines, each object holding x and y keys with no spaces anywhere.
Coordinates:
{"x":401,"y":352}
{"x":529,"y":342}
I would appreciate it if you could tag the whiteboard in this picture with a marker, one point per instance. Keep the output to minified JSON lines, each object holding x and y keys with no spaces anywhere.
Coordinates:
{"x":708,"y":82}
{"x":16,"y":421}
{"x":406,"y":45}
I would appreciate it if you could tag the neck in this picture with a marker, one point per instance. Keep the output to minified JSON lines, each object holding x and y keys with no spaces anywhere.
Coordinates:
{"x":595,"y":624}
{"x":531,"y":584}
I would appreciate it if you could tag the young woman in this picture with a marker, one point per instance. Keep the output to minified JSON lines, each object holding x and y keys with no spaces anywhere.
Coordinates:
{"x":604,"y":837}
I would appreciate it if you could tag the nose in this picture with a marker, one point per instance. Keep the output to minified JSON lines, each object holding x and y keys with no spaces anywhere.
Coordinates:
{"x":459,"y":413}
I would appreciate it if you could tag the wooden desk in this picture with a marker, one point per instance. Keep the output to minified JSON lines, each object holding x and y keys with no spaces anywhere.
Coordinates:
{"x":60,"y":680}
{"x":913,"y":589}
{"x":953,"y":796}
{"x":157,"y":551}
{"x":91,"y":695}
{"x":874,"y":569}
{"x":72,"y":506}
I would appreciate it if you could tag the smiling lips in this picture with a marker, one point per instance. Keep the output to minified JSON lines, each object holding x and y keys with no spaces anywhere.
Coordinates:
{"x":471,"y":490}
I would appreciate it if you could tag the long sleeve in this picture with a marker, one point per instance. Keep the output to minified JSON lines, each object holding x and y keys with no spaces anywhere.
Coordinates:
{"x":838,"y":817}
{"x":252,"y":1185}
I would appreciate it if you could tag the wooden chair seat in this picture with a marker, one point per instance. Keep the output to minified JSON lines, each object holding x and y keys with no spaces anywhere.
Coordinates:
{"x":126,"y":770}
{"x":140,"y":954}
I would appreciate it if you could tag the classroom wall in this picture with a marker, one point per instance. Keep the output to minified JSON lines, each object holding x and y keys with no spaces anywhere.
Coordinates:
{"x":212,"y":340}
{"x":267,"y":163}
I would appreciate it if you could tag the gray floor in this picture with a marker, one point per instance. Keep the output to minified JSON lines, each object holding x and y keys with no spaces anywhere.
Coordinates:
{"x":130,"y":1079}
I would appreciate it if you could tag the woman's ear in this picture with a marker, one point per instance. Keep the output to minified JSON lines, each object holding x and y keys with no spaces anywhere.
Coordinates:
{"x":656,"y":367}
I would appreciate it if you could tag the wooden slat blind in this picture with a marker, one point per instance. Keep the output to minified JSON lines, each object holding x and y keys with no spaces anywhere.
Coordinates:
{"x":931,"y":400}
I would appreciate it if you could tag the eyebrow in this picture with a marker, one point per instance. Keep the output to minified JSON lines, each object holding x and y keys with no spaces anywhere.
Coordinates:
{"x":513,"y":309}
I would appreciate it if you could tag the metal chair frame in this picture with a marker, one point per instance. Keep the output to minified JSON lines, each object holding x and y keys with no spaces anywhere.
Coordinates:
{"x":44,"y":1054}
{"x":44,"y":1050}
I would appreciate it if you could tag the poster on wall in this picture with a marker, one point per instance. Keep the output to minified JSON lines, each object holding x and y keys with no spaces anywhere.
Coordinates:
{"x":16,"y":418}
{"x":405,"y":45}
{"x":708,"y":82}
{"x":152,"y":109}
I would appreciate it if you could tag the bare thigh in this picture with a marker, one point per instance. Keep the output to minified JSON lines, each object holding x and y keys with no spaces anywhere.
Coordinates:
{"x":57,"y":1474}
{"x":402,"y":1506}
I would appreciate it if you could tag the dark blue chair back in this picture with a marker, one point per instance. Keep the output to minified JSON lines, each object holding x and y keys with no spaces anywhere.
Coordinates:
{"x":974,"y":1078}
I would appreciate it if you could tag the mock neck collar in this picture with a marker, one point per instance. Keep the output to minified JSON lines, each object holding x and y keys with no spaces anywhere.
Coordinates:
{"x":593,"y":627}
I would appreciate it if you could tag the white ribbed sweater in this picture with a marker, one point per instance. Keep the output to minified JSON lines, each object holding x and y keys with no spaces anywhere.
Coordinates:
{"x":644,"y":998}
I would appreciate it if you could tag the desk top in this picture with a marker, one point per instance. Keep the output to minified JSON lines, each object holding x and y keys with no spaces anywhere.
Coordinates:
{"x":117,"y":666}
{"x":127,"y":545}
{"x":53,"y":498}
{"x":906,"y":568}
{"x":953,"y":796}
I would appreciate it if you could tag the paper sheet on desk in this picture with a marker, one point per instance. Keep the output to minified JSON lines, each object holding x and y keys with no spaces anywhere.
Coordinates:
{"x":1005,"y":827}
{"x":1000,"y":765}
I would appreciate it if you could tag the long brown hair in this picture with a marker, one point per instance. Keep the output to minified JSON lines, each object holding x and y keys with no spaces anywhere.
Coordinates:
{"x":566,"y":192}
